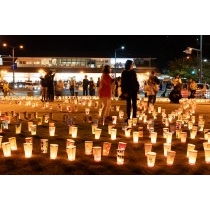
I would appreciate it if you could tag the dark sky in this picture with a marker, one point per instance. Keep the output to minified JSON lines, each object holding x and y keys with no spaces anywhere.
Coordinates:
{"x":162,"y":47}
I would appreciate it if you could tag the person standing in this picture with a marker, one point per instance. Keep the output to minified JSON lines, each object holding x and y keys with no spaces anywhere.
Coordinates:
{"x":92,"y":87}
{"x":72,"y":86}
{"x":175,"y":94}
{"x":150,"y":89}
{"x":106,"y":91}
{"x":130,"y":88}
{"x":6,"y":89}
{"x":193,"y":88}
{"x":85,"y":86}
{"x":51,"y":88}
{"x":155,"y":81}
{"x":44,"y":86}
{"x":98,"y":84}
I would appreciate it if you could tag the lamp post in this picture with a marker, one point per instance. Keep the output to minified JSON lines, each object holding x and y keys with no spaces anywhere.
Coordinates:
{"x":13,"y":59}
{"x":115,"y":58}
{"x":189,"y":51}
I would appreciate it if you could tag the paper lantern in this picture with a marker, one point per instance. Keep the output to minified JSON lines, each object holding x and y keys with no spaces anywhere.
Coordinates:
{"x":117,"y":108}
{"x":74,"y":131}
{"x":192,"y":156}
{"x":29,"y":126}
{"x":121,"y":114}
{"x":193,"y":133}
{"x":52,"y":131}
{"x":169,"y":137}
{"x":159,"y":109}
{"x":151,"y":156}
{"x":46,"y":118}
{"x":97,"y":153}
{"x":147,"y":148}
{"x":134,"y":121}
{"x":69,"y":142}
{"x":1,"y":137}
{"x":206,"y":145}
{"x":106,"y":148}
{"x":165,"y":131}
{"x":113,"y":134}
{"x":44,"y":145}
{"x":33,"y":130}
{"x":190,"y":124}
{"x":71,"y":152}
{"x":190,"y":147}
{"x":98,"y":133}
{"x":122,"y":145}
{"x":94,"y":126}
{"x":153,"y":137}
{"x":127,"y":131}
{"x":53,"y":151}
{"x":27,"y":149}
{"x":166,"y":148}
{"x":141,"y":132}
{"x":39,"y":120}
{"x":114,"y":120}
{"x":6,"y":149}
{"x":18,"y":127}
{"x":207,"y":155}
{"x":183,"y":136}
{"x":170,"y":157}
{"x":110,"y":126}
{"x":29,"y":140}
{"x":13,"y":144}
{"x":120,"y":156}
{"x":135,"y":136}
{"x":88,"y":147}
{"x":87,"y":111}
{"x":178,"y":133}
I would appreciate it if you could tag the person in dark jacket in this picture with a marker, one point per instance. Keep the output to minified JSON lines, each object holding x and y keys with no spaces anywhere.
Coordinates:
{"x":130,"y":88}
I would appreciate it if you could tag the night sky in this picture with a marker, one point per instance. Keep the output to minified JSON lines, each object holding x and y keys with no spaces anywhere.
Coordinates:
{"x":162,"y":47}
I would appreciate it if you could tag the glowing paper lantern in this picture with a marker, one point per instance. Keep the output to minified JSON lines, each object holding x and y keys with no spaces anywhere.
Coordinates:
{"x":169,"y":137}
{"x":153,"y":137}
{"x":69,"y":142}
{"x":120,"y":156}
{"x":97,"y":153}
{"x":53,"y":151}
{"x":192,"y":156}
{"x":1,"y":137}
{"x":6,"y":149}
{"x":33,"y":130}
{"x":44,"y":145}
{"x":98,"y":133}
{"x":18,"y":128}
{"x":127,"y":131}
{"x":94,"y":126}
{"x":71,"y":152}
{"x":170,"y":157}
{"x":52,"y":131}
{"x":113,"y":134}
{"x":147,"y":148}
{"x":206,"y":145}
{"x":135,"y":136}
{"x":151,"y":156}
{"x":141,"y":132}
{"x":183,"y":136}
{"x":74,"y":131}
{"x":27,"y":149}
{"x":166,"y":148}
{"x":122,"y":145}
{"x":13,"y":144}
{"x":106,"y":148}
{"x":190,"y":147}
{"x":29,"y":126}
{"x":207,"y":155}
{"x":114,"y":120}
{"x":88,"y":147}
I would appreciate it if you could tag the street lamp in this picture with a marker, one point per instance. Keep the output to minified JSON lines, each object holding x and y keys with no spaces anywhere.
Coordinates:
{"x":189,"y":51}
{"x":13,"y":59}
{"x":115,"y":58}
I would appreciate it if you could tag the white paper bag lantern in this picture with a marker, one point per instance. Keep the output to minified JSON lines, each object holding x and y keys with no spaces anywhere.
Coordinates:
{"x":88,"y":147}
{"x":114,"y":120}
{"x":106,"y":148}
{"x":13,"y":144}
{"x":97,"y":153}
{"x":170,"y":157}
{"x":151,"y":156}
{"x":147,"y":148}
{"x":98,"y":133}
{"x":27,"y":149}
{"x":169,"y":137}
{"x":6,"y":149}
{"x":190,"y":147}
{"x":74,"y":131}
{"x":135,"y":136}
{"x":29,"y":126}
{"x":71,"y":152}
{"x":44,"y":145}
{"x":53,"y":151}
{"x":120,"y":156}
{"x":153,"y":137}
{"x":52,"y":131}
{"x":166,"y":148}
{"x":33,"y":130}
{"x":192,"y":156}
{"x":113,"y":134}
{"x":18,"y":127}
{"x":207,"y":155}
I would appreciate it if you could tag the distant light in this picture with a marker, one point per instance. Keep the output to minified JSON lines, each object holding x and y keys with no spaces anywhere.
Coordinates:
{"x":205,"y":60}
{"x":122,"y":47}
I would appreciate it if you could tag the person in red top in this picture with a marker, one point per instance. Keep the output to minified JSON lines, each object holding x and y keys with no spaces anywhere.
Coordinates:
{"x":106,"y":91}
